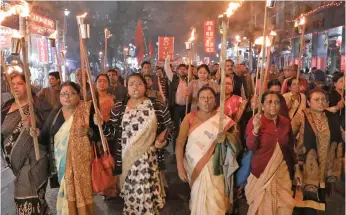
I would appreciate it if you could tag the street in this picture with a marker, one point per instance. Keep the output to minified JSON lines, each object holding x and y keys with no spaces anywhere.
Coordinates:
{"x":177,"y":201}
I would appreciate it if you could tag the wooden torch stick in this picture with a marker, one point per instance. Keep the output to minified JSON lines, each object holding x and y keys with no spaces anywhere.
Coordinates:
{"x":30,"y":99}
{"x":82,"y":65}
{"x":263,"y":48}
{"x":8,"y":78}
{"x":106,"y":47}
{"x":301,"y":48}
{"x":58,"y":64}
{"x":93,"y":94}
{"x":267,"y":68}
{"x":189,"y":70}
{"x":224,"y":26}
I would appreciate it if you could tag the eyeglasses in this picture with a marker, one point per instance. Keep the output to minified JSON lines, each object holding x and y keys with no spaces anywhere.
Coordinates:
{"x":277,"y":102}
{"x":67,"y":94}
{"x":323,"y":100}
{"x":206,"y":98}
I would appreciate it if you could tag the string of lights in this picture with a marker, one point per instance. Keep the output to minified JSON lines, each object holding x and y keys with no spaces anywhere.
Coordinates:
{"x":317,"y":32}
{"x":332,"y":4}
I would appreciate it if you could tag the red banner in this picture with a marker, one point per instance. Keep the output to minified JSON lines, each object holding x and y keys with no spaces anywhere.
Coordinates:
{"x":5,"y":37}
{"x":42,"y":50}
{"x":209,"y":37}
{"x":166,"y":46}
{"x":41,"y":25}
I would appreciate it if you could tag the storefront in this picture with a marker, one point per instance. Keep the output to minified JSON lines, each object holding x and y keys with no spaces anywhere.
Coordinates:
{"x":324,"y":40}
{"x":42,"y":59}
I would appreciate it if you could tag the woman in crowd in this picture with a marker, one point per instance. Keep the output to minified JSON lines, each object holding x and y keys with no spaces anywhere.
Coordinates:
{"x":106,"y":102}
{"x":295,"y":101}
{"x":234,"y":105}
{"x":319,"y":153}
{"x":161,"y":75}
{"x":150,"y":92}
{"x":18,"y":150}
{"x":202,"y":81}
{"x":141,"y":127}
{"x":337,"y":97}
{"x":269,"y":136}
{"x":69,"y":131}
{"x":195,"y":165}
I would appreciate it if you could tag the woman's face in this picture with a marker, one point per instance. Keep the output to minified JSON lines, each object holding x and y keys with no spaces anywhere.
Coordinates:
{"x":203,"y":74}
{"x":271,"y":105}
{"x":229,"y":86}
{"x":149,"y":82}
{"x":340,"y":84}
{"x":159,"y":72}
{"x":194,"y":71}
{"x":102,"y":83}
{"x":69,"y":97}
{"x":294,"y":86}
{"x":136,"y":87}
{"x":206,"y":101}
{"x":287,"y":73}
{"x":317,"y":102}
{"x":19,"y":87}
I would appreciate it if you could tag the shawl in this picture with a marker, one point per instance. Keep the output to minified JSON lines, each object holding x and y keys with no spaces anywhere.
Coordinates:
{"x":113,"y":130}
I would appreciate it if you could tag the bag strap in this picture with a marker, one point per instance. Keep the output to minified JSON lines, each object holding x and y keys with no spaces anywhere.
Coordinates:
{"x":192,"y":117}
{"x":54,"y":121}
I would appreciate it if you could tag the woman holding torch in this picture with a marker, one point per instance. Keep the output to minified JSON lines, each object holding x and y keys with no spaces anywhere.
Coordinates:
{"x":18,"y":147}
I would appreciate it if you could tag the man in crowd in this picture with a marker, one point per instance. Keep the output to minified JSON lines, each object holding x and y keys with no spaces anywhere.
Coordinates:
{"x":51,"y":94}
{"x":147,"y":70}
{"x":116,"y":88}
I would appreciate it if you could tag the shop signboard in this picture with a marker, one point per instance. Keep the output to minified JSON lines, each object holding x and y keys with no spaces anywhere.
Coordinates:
{"x":209,"y":37}
{"x":41,"y":25}
{"x":42,"y":49}
{"x":5,"y":37}
{"x":166,"y":46}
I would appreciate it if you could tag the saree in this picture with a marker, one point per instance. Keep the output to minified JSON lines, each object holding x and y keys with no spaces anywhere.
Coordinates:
{"x":73,"y":156}
{"x":31,"y":175}
{"x":271,"y":194}
{"x":140,"y":182}
{"x":234,"y":107}
{"x":294,"y":106}
{"x":207,"y":190}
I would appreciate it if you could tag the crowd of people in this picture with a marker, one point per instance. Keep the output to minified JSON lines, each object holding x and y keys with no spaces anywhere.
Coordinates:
{"x":283,"y":151}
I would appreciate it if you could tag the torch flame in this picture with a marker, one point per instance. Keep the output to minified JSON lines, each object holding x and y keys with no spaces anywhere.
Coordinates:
{"x":232,"y":7}
{"x":21,"y":9}
{"x":259,"y":41}
{"x":53,"y":35}
{"x":16,"y":34}
{"x":192,"y":36}
{"x":83,"y":15}
{"x":302,"y":20}
{"x":273,"y":33}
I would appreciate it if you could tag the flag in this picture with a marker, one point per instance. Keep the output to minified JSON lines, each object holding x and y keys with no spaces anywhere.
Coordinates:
{"x":139,"y":34}
{"x":140,"y":54}
{"x":151,"y":50}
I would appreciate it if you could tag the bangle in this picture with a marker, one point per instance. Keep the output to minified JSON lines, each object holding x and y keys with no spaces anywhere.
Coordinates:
{"x":254,"y":133}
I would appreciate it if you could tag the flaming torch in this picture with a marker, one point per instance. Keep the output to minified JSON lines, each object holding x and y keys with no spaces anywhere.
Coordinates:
{"x":301,"y":29}
{"x":84,"y":31}
{"x":80,"y":21}
{"x":107,"y":34}
{"x":271,"y":40}
{"x":52,"y":40}
{"x":224,"y":22}
{"x":189,"y":45}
